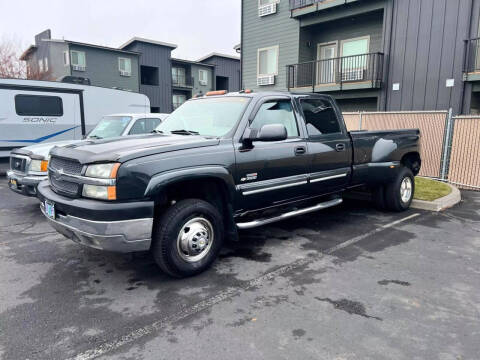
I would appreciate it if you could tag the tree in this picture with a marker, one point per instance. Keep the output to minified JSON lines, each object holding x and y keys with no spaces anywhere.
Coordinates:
{"x":11,"y":67}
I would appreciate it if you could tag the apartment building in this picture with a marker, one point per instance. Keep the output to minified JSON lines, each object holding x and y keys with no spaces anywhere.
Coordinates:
{"x":368,"y":54}
{"x":141,"y":65}
{"x":57,"y":59}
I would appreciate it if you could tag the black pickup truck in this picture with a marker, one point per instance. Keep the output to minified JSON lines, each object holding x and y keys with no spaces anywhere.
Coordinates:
{"x":220,"y":163}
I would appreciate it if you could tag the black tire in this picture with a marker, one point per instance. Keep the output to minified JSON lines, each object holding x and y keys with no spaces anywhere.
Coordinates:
{"x":378,"y":197}
{"x":393,"y":198}
{"x":166,"y":232}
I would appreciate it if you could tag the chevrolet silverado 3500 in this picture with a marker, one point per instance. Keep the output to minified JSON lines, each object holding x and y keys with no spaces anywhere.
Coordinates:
{"x":220,"y":163}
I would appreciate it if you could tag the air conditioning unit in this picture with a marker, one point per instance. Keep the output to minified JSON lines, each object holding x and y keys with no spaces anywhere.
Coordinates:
{"x":266,"y":80}
{"x":125,"y":73}
{"x":352,"y":75}
{"x":269,"y":9}
{"x":203,"y":82}
{"x":78,"y":68}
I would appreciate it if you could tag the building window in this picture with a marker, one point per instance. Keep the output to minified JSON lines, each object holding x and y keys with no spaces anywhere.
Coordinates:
{"x":178,"y":100}
{"x":38,"y":105}
{"x":267,"y":61}
{"x":66,"y":58}
{"x":267,"y":7}
{"x":78,"y":60}
{"x":354,"y":61}
{"x":40,"y":65}
{"x":125,"y":66}
{"x":178,"y":76}
{"x":203,"y":77}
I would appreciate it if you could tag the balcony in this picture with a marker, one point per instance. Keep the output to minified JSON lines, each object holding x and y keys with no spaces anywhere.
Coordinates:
{"x":471,"y":71}
{"x":303,"y":7}
{"x":342,"y":73}
{"x":182,"y":81}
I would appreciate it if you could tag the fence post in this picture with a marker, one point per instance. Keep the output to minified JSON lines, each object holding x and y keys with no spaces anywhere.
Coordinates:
{"x":446,"y":152}
{"x":360,"y":120}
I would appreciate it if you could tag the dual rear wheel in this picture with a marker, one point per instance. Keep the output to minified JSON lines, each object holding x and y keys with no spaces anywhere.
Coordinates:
{"x":398,"y":194}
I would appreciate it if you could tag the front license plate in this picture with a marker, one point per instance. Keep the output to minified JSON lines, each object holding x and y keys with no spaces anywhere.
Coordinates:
{"x":13,"y":182}
{"x":50,"y":209}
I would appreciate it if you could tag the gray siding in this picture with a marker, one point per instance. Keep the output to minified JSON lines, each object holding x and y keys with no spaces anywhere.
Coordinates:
{"x":368,"y":24}
{"x":156,"y":56}
{"x":102,"y":68}
{"x":229,"y":68}
{"x":271,"y":30}
{"x":427,"y":49}
{"x":197,"y":88}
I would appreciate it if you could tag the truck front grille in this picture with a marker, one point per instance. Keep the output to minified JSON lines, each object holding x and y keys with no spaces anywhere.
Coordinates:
{"x":18,"y":164}
{"x":68,"y":166}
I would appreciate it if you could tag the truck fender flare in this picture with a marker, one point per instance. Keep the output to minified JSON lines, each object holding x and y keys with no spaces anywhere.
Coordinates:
{"x":160,"y":181}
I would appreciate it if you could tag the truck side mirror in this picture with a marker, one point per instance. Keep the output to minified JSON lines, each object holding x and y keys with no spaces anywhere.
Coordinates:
{"x":272,"y":132}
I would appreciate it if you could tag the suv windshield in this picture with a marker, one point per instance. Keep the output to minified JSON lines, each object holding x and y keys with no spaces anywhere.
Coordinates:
{"x":209,"y":116}
{"x":110,"y":126}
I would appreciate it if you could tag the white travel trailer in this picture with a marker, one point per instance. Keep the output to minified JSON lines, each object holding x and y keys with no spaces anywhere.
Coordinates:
{"x":34,"y":112}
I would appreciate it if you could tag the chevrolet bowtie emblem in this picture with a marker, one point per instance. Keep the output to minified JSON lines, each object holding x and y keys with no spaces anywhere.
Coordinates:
{"x":57,"y":173}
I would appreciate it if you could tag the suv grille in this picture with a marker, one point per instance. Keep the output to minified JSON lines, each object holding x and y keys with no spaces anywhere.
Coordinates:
{"x":18,"y":164}
{"x":72,"y":167}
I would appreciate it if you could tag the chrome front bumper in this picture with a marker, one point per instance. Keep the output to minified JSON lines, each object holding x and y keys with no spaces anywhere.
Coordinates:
{"x":117,"y":236}
{"x":26,"y":184}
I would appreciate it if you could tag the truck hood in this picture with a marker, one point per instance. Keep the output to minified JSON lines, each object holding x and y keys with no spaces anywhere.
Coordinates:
{"x":122,"y":149}
{"x":40,"y":151}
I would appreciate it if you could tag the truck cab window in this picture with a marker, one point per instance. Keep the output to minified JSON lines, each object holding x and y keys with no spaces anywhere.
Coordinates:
{"x":320,"y":117}
{"x":138,"y":127}
{"x":276,"y":112}
{"x":38,"y":105}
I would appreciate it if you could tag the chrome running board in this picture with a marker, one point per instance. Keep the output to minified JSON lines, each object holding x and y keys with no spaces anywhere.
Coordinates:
{"x":260,"y":222}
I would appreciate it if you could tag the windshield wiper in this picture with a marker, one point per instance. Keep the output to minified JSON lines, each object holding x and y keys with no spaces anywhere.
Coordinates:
{"x":95,"y":137}
{"x":155,"y":131}
{"x":184,"y":132}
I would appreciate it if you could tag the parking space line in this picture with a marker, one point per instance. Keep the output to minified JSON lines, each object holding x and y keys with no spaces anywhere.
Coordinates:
{"x":223,"y":295}
{"x":370,"y":233}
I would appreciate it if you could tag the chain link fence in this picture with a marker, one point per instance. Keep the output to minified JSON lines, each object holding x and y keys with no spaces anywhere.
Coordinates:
{"x":450,"y":146}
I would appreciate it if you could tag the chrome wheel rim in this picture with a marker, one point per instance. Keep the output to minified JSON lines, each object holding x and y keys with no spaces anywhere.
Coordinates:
{"x":195,"y":239}
{"x":406,"y":189}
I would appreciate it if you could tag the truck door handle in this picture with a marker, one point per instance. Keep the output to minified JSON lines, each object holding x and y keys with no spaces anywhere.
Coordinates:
{"x":340,"y":147}
{"x":300,"y":150}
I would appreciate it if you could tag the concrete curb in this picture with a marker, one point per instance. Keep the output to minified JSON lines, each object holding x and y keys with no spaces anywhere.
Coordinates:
{"x":440,"y":204}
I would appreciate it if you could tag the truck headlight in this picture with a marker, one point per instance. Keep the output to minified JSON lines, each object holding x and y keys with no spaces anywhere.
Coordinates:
{"x":100,"y":192}
{"x":39,"y":165}
{"x":107,"y":191}
{"x":103,"y":171}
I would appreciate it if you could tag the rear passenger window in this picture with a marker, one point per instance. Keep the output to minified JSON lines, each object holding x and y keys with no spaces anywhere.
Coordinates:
{"x":138,"y":127}
{"x":38,"y":105}
{"x":276,"y":112}
{"x":320,"y":117}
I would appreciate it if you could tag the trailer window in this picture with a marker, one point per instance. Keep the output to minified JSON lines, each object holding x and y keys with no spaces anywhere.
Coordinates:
{"x":38,"y":105}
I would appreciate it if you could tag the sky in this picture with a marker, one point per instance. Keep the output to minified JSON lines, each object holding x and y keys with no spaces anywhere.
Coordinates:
{"x":198,"y":27}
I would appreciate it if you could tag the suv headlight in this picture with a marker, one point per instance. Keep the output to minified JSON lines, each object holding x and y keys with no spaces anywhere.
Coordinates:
{"x":39,"y":165}
{"x":101,"y":171}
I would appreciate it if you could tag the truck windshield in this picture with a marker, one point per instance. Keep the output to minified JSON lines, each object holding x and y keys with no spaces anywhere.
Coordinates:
{"x":208,"y":116}
{"x":110,"y":126}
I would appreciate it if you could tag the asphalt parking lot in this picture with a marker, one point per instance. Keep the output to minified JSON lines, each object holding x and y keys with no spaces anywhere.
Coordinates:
{"x":346,"y":283}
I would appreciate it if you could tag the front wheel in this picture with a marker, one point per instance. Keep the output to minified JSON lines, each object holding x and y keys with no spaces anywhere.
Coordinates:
{"x":187,"y":238}
{"x":399,"y":193}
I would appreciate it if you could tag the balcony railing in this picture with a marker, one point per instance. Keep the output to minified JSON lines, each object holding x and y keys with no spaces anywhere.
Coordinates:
{"x":364,"y":70}
{"x":472,"y":55}
{"x":296,"y":4}
{"x":182,"y":81}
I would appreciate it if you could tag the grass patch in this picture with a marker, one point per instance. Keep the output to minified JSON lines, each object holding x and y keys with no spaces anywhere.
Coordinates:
{"x":429,"y":190}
